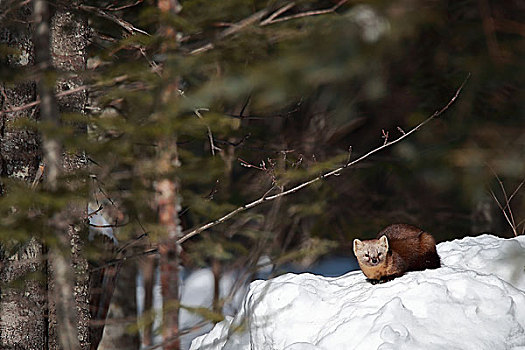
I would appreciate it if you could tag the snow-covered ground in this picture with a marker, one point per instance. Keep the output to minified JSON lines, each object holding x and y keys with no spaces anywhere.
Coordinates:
{"x":476,"y":300}
{"x":197,"y":290}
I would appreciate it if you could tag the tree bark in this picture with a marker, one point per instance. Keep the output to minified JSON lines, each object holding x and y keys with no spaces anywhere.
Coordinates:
{"x":169,"y":251}
{"x":168,"y":205}
{"x":60,"y":286}
{"x":27,"y":320}
{"x":23,"y":321}
{"x":69,"y":41}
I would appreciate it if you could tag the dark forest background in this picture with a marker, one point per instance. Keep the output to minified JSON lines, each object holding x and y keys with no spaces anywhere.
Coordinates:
{"x":231,"y":101}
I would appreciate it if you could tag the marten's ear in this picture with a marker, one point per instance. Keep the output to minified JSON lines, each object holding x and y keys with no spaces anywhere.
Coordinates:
{"x":383,"y":240}
{"x":357,"y":244}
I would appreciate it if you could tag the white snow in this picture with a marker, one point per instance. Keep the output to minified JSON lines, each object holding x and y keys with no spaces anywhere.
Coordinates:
{"x":476,"y":300}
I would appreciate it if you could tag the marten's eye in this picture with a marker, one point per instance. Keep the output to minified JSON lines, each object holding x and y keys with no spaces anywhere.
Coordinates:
{"x":366,"y":254}
{"x":379,"y":254}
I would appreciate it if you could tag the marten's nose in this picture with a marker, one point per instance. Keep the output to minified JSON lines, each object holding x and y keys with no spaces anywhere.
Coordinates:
{"x":374,"y":260}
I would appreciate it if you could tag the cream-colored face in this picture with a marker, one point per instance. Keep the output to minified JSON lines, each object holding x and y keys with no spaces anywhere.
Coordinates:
{"x":371,"y":252}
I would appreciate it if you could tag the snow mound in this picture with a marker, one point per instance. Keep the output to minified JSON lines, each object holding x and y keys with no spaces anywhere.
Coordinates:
{"x":476,"y":300}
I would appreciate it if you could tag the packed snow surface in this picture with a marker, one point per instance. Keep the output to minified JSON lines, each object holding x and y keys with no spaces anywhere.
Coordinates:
{"x":476,"y":300}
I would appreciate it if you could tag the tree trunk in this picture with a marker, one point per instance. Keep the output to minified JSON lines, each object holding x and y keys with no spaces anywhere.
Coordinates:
{"x":63,"y":320}
{"x":168,"y":206}
{"x":169,"y":251}
{"x":23,"y":321}
{"x":122,"y":313}
{"x":147,"y":266}
{"x":27,"y":321}
{"x":69,"y":40}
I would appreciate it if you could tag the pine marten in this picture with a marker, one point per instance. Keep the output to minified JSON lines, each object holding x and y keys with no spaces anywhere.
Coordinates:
{"x":399,"y":248}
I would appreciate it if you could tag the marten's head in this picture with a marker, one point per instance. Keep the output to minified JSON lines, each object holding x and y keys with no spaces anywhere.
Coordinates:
{"x":372,"y":252}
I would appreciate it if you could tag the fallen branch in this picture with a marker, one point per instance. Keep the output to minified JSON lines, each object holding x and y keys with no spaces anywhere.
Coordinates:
{"x":266,"y":198}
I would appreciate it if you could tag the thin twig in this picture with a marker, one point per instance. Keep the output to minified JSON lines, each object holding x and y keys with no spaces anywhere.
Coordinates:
{"x":305,"y":14}
{"x":516,"y":191}
{"x":124,"y":258}
{"x":108,"y":225}
{"x":210,"y":135}
{"x":296,"y":188}
{"x":277,"y":13}
{"x":100,"y":207}
{"x":507,"y":210}
{"x":244,"y":23}
{"x":507,"y":202}
{"x":504,"y":213}
{"x":126,"y":25}
{"x":154,"y":66}
{"x":110,"y":8}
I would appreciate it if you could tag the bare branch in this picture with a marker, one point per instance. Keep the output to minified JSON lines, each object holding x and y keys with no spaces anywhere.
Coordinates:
{"x":125,"y":258}
{"x":296,"y":188}
{"x":384,"y":136}
{"x":100,"y":207}
{"x":111,"y":8}
{"x":507,"y":202}
{"x":126,"y":25}
{"x":516,"y":191}
{"x":277,"y":13}
{"x":349,"y":154}
{"x":507,"y":210}
{"x":512,"y":226}
{"x":210,"y":135}
{"x":303,"y":14}
{"x":61,"y":94}
{"x":243,"y":24}
{"x":108,"y":225}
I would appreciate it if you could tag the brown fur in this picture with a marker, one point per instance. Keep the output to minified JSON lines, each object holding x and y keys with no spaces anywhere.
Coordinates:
{"x":404,"y":248}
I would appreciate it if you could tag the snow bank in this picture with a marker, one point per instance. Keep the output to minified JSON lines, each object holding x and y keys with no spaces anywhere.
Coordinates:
{"x":475,"y":301}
